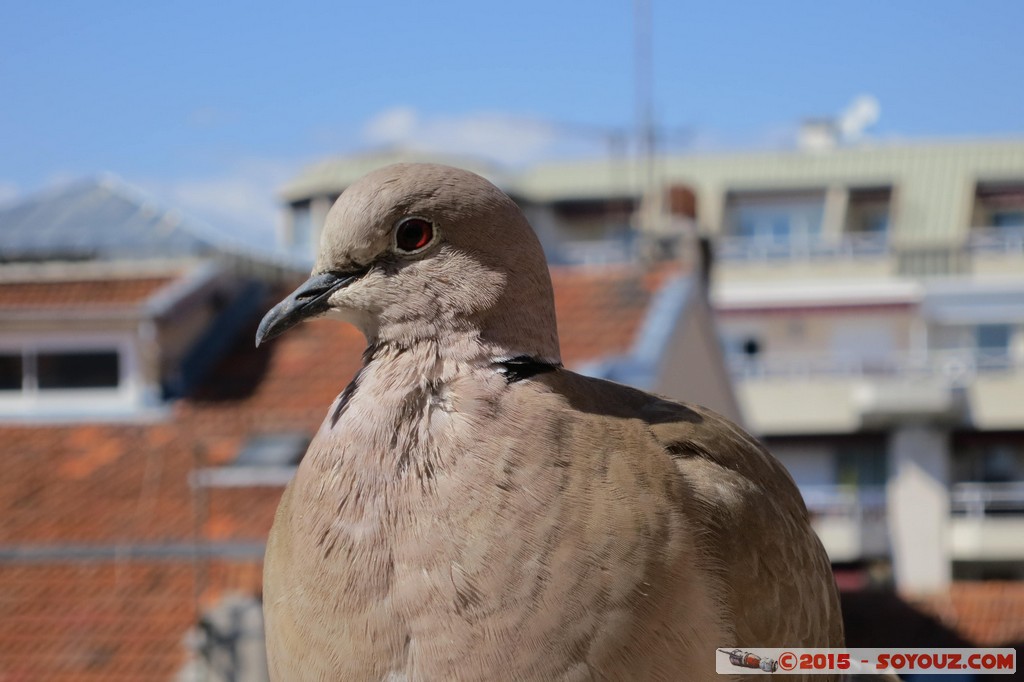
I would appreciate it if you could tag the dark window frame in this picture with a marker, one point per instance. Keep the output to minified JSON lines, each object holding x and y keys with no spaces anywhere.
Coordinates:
{"x":91,"y":379}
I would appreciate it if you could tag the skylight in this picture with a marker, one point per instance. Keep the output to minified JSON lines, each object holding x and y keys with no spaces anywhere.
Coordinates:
{"x":273,"y":450}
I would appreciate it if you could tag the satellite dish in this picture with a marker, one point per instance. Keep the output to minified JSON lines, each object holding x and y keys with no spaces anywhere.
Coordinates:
{"x":863,"y":112}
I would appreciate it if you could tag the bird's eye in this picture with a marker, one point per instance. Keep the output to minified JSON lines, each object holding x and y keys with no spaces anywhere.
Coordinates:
{"x":413,"y":234}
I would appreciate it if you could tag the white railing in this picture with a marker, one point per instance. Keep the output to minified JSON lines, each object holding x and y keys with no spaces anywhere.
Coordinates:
{"x":997,"y":240}
{"x":845,"y":501}
{"x":980,"y":499}
{"x":596,"y":252}
{"x":868,"y":502}
{"x":957,"y":367}
{"x":850,"y":520}
{"x":802,"y":247}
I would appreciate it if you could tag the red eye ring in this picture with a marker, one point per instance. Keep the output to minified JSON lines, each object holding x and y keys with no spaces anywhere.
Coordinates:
{"x":412,"y":234}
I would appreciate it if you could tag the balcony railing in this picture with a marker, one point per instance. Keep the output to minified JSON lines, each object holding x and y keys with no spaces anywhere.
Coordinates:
{"x":956,"y":367}
{"x":988,"y":499}
{"x":986,"y":520}
{"x":1007,"y":241}
{"x":802,"y":247}
{"x":850,"y":520}
{"x":596,"y":252}
{"x":845,"y":501}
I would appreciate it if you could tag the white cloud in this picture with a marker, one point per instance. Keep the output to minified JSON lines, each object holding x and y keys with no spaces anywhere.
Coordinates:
{"x":61,"y":177}
{"x":392,"y":125}
{"x":240,"y":201}
{"x":8,"y":191}
{"x":502,"y":137}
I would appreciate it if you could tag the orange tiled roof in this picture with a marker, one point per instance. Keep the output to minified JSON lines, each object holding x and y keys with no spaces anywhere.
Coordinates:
{"x":90,"y":293}
{"x":54,"y":472}
{"x":107,"y":621}
{"x":123,"y":484}
{"x":989,"y":613}
{"x":600,"y":310}
{"x":103,"y":485}
{"x":117,"y":484}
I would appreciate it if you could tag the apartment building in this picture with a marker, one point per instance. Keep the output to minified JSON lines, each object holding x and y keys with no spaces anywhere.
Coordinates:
{"x":870,"y":303}
{"x":146,"y":442}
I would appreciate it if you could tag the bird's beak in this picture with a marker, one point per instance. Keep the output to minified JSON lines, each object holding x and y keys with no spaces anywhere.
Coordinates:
{"x":309,"y":300}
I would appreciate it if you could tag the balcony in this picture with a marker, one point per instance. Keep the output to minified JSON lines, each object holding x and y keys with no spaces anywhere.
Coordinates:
{"x":1002,"y":241}
{"x":850,"y":520}
{"x":955,"y":367}
{"x":596,"y":251}
{"x":830,"y":393}
{"x":767,"y":248}
{"x":988,"y":521}
{"x":1000,"y":247}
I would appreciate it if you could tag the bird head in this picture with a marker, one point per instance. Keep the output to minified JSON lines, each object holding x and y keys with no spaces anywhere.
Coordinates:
{"x":415,"y":252}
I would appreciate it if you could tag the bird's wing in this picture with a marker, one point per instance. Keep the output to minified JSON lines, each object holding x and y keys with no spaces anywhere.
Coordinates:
{"x":753,"y":524}
{"x":776,"y":573}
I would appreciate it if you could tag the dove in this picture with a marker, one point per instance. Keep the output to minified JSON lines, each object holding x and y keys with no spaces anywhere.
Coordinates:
{"x":471,"y":510}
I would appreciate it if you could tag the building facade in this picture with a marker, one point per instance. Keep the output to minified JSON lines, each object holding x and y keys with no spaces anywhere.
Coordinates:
{"x":870,"y":303}
{"x":146,"y":442}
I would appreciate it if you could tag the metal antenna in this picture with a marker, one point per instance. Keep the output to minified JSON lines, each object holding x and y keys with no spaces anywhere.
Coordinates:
{"x":649,"y":209}
{"x":644,"y":63}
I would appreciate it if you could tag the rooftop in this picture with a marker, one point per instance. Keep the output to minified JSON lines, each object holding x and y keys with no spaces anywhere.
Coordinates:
{"x":331,"y":175}
{"x":602,"y":177}
{"x":102,"y":523}
{"x":122,"y":292}
{"x":105,"y":220}
{"x":111,"y":551}
{"x":100,"y":218}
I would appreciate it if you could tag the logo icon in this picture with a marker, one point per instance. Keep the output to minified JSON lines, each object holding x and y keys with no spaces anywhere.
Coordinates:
{"x":745,"y":659}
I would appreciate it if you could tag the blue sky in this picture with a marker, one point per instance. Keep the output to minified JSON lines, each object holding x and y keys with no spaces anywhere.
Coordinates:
{"x":211,"y":106}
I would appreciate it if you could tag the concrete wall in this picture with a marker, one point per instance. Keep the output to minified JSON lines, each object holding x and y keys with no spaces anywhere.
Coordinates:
{"x":919,"y":508}
{"x":934,"y":184}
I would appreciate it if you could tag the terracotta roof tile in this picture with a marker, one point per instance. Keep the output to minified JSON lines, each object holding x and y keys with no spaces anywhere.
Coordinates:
{"x":600,"y":310}
{"x":105,"y":485}
{"x":88,"y":293}
{"x":989,"y":613}
{"x":133,"y":479}
{"x":107,"y":621}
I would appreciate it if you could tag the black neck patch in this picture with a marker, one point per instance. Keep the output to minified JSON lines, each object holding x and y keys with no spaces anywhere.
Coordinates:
{"x":524,"y":367}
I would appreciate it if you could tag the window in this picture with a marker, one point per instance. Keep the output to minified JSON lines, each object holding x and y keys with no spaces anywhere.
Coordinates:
{"x":597,"y":219}
{"x":266,"y":459}
{"x":1000,"y":464}
{"x":999,"y":205}
{"x":1008,"y":218}
{"x":35,"y":370}
{"x":868,"y":211}
{"x":92,"y":369}
{"x":987,"y":458}
{"x":862,"y":464}
{"x":993,"y":338}
{"x":70,"y":376}
{"x":993,"y":344}
{"x":302,"y":227}
{"x":11,"y":372}
{"x":775,"y":216}
{"x":273,"y":450}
